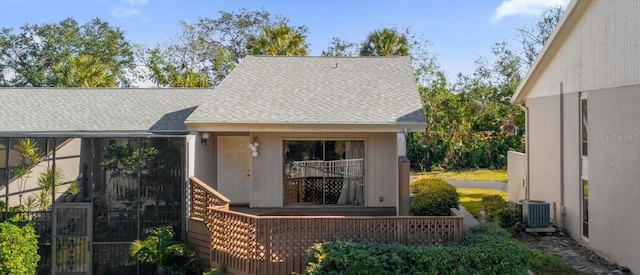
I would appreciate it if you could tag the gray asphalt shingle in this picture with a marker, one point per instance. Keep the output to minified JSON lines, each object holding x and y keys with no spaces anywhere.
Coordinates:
{"x":308,"y":90}
{"x":97,"y":110}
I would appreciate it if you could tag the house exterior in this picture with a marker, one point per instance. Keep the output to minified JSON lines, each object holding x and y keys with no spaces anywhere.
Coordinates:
{"x":278,"y":132}
{"x":583,"y":144}
{"x":328,"y":131}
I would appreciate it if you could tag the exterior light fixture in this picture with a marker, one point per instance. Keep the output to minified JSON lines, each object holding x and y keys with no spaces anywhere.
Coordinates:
{"x":203,"y":138}
{"x":254,"y":149}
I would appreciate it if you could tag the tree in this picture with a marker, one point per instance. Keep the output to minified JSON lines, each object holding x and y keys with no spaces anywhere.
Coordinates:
{"x":385,"y":42}
{"x":281,"y":40}
{"x":166,"y":74}
{"x":534,"y":37}
{"x":210,"y":47}
{"x":28,"y":57}
{"x":83,"y":71}
{"x":340,"y":47}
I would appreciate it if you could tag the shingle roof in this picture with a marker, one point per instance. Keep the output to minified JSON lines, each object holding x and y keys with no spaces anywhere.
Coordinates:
{"x":310,"y":90}
{"x":24,"y":110}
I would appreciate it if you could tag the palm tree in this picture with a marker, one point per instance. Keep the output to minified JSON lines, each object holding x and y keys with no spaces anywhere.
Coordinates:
{"x":83,"y":71}
{"x":282,"y":40}
{"x":385,"y":42}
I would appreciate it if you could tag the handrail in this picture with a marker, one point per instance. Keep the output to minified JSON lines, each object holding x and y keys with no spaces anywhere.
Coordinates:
{"x":203,"y":196}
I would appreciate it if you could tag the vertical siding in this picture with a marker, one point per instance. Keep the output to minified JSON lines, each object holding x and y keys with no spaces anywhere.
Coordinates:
{"x":602,"y":51}
{"x":380,"y":167}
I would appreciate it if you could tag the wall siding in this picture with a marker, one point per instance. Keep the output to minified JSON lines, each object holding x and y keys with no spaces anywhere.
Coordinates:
{"x":601,"y":52}
{"x":380,"y":167}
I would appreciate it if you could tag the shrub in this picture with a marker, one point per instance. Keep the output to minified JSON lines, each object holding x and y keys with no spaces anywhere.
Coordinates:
{"x":160,"y":249}
{"x":509,"y":219}
{"x":18,"y":249}
{"x":485,"y":250}
{"x":434,"y":197}
{"x":492,"y":204}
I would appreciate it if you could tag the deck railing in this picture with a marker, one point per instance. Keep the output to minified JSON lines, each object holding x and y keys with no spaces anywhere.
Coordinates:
{"x":203,"y":196}
{"x":249,"y":244}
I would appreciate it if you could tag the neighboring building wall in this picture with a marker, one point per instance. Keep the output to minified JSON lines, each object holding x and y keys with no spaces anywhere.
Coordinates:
{"x":381,"y":165}
{"x":614,"y":176}
{"x":544,"y":151}
{"x":600,"y":57}
{"x":601,"y":52}
{"x":517,"y":175}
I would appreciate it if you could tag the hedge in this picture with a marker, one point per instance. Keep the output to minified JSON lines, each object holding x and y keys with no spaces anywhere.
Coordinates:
{"x":433,"y":197}
{"x":18,"y":249}
{"x":484,"y":250}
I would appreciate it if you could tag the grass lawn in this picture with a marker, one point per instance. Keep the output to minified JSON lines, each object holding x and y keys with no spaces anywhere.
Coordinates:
{"x":471,"y":198}
{"x":475,"y":174}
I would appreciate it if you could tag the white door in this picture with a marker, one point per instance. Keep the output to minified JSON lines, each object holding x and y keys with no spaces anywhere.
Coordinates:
{"x":234,"y":172}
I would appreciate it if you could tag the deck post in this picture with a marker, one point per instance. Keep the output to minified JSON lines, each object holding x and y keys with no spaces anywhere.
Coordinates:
{"x":403,"y":186}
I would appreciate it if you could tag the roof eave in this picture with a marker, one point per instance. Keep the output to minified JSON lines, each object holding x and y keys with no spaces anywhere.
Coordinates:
{"x":306,"y":127}
{"x":566,"y":24}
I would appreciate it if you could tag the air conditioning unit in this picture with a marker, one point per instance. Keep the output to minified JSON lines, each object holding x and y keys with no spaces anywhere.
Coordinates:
{"x":535,"y":214}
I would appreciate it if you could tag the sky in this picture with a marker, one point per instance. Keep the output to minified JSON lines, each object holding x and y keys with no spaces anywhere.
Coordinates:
{"x":460,"y":31}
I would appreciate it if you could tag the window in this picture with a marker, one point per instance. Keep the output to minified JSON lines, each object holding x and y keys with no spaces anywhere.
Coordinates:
{"x":326,"y":172}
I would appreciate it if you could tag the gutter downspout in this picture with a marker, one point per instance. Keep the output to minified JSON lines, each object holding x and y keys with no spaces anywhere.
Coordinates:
{"x":527,"y":152}
{"x":562,"y":211}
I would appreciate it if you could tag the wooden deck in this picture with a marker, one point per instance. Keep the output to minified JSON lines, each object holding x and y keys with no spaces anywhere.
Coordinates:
{"x":274,"y":240}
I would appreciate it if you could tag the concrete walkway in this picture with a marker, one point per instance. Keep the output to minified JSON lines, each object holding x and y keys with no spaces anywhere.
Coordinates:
{"x":467,"y":219}
{"x":479,"y":184}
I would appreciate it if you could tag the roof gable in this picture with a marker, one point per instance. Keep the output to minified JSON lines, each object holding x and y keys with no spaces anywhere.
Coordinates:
{"x":316,"y":90}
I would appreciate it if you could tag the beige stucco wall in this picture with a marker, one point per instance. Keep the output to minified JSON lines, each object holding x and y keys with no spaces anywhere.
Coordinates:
{"x":517,"y":175}
{"x":544,"y":151}
{"x":381,"y":165}
{"x":614,"y":176}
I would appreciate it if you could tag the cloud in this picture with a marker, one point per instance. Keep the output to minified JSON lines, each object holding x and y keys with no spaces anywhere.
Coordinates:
{"x":135,"y":2}
{"x":525,"y":7}
{"x":125,"y":12}
{"x":129,"y":9}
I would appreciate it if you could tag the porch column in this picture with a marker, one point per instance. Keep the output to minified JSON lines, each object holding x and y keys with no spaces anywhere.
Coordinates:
{"x":402,"y":206}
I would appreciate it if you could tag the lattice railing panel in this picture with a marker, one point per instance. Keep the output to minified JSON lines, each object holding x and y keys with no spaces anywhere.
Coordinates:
{"x":203,"y":196}
{"x":276,"y":245}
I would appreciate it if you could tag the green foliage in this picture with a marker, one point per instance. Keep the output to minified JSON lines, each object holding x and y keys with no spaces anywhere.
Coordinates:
{"x":83,"y":71}
{"x":385,"y":42}
{"x":492,"y":205}
{"x":30,"y":155}
{"x":509,"y":219}
{"x":33,"y":51}
{"x":161,"y":250}
{"x":485,"y":250}
{"x":18,"y":249}
{"x":340,"y":47}
{"x":543,"y":263}
{"x":214,"y":271}
{"x":434,"y":197}
{"x":281,"y":40}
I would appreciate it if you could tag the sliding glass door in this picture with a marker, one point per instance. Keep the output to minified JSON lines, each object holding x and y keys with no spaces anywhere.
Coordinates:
{"x":324,"y":172}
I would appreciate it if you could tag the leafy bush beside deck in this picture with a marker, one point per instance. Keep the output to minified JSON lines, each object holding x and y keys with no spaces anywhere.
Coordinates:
{"x":484,"y":250}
